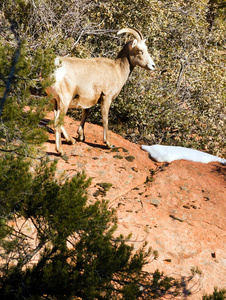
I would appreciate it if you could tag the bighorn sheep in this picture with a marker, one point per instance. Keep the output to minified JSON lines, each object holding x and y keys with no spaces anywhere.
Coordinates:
{"x":82,"y":83}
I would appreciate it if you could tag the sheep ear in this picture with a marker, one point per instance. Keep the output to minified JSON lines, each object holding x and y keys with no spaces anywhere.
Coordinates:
{"x":134,"y":43}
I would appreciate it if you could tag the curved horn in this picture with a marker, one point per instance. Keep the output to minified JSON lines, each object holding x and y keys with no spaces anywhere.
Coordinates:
{"x":138,"y":35}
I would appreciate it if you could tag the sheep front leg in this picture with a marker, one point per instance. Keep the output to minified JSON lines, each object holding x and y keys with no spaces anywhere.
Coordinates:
{"x":58,"y":132}
{"x":67,"y":136}
{"x":80,"y":131}
{"x":58,"y":122}
{"x":105,"y":105}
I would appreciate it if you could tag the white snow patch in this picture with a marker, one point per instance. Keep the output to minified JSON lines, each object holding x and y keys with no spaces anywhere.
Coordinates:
{"x":162,"y":153}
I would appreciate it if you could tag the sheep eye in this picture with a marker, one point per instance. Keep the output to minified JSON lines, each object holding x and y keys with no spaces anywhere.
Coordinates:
{"x":141,"y":52}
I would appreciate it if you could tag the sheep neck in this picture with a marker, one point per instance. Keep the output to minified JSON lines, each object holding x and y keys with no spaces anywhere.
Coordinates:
{"x":124,"y":62}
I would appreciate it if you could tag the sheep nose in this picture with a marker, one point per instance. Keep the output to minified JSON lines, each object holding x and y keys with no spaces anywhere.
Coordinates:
{"x":151,"y":66}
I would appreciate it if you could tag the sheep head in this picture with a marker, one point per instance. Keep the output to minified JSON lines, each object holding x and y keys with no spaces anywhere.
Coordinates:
{"x":138,"y":52}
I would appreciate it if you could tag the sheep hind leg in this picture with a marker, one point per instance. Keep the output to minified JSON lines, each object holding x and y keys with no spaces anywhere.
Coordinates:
{"x":105,"y":105}
{"x":81,"y":135}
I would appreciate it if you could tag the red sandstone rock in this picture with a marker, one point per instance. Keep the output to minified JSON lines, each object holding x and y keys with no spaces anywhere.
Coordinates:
{"x":180,"y":212}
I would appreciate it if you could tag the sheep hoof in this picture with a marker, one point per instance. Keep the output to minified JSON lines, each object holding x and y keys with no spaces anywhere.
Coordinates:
{"x":71,"y":141}
{"x":60,"y":151}
{"x":81,"y":138}
{"x":109,"y":145}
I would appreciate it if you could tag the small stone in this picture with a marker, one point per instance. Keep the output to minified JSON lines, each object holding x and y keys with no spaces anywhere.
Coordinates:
{"x":115,"y":149}
{"x":118,"y":156}
{"x":186,"y":206}
{"x":167,"y":260}
{"x":154,"y":202}
{"x":130,"y":158}
{"x":65,"y":157}
{"x":183,"y":188}
{"x":176,"y":218}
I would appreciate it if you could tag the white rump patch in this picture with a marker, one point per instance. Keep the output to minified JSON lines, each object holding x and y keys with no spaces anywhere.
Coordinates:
{"x":170,"y":153}
{"x":60,"y":71}
{"x":57,"y":61}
